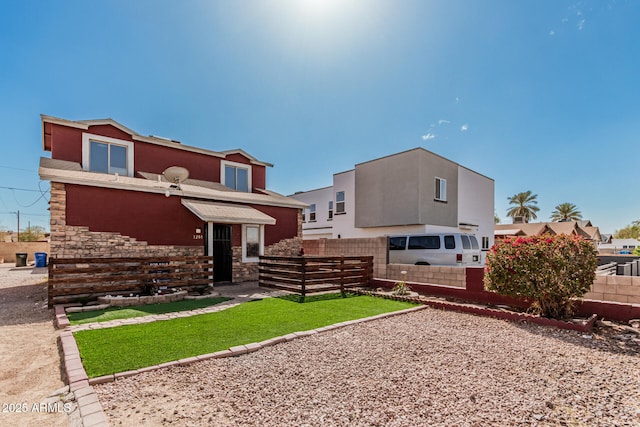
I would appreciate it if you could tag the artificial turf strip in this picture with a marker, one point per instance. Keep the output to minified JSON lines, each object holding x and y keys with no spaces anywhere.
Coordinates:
{"x":124,"y":348}
{"x":113,"y":313}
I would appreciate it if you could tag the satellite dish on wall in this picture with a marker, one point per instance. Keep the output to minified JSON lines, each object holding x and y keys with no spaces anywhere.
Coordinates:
{"x":176,"y":174}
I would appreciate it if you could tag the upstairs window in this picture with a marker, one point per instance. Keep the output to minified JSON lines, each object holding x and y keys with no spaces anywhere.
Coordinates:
{"x":236,"y":176}
{"x":330,"y":216}
{"x":441,"y":190}
{"x":340,"y":208}
{"x":312,"y":212}
{"x":107,"y":155}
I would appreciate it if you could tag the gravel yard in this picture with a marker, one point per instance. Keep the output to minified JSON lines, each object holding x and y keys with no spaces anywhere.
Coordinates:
{"x":29,"y":354}
{"x":430,"y":367}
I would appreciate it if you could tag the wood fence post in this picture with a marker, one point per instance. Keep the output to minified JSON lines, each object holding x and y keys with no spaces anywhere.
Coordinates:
{"x":342,"y":275}
{"x":303,"y":263}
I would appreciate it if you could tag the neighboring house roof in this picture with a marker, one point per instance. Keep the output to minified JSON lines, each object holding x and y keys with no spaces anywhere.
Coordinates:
{"x":618,"y":243}
{"x":85,"y":124}
{"x":65,"y":172}
{"x":509,"y":232}
{"x":524,"y":229}
{"x":565,"y":227}
{"x":538,"y":228}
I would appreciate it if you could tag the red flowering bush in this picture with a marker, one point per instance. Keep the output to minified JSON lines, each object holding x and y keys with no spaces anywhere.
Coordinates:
{"x":550,"y":270}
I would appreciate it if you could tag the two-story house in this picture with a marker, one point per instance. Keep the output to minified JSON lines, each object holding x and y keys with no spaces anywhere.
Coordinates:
{"x":415,"y":191}
{"x":116,"y":193}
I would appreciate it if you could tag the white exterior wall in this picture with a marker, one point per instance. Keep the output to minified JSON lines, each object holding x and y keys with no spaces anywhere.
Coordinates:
{"x":475,"y":200}
{"x":343,"y":223}
{"x":476,"y":204}
{"x":322,"y":227}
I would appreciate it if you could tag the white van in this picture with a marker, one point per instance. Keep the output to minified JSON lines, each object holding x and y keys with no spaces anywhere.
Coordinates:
{"x":435,"y":249}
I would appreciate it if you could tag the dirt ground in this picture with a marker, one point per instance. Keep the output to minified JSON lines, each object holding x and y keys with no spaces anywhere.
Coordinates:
{"x":29,"y":353}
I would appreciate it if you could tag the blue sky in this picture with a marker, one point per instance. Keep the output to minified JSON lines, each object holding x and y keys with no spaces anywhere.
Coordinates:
{"x":538,"y":95}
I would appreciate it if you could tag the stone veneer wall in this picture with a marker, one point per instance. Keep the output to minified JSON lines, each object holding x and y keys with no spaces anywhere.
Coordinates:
{"x":248,"y":271}
{"x":79,"y":242}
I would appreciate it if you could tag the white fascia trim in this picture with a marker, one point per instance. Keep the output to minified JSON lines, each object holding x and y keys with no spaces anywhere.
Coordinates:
{"x":252,"y":159}
{"x":224,"y":163}
{"x":177,"y":145}
{"x":244,"y":241}
{"x":63,"y":122}
{"x":132,"y":184}
{"x":86,"y":149}
{"x":85,"y":124}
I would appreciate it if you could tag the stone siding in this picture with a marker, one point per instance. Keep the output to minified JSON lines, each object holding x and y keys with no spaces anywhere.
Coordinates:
{"x":79,"y":242}
{"x":248,"y":271}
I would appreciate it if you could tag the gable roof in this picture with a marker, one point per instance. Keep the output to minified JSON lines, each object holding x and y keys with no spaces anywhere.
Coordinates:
{"x":538,"y":228}
{"x":166,"y":142}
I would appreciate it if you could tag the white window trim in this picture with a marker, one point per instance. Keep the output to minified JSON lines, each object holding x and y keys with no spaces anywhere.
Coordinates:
{"x":443,"y":190}
{"x":86,"y":150}
{"x":225,"y":163}
{"x":343,"y":202}
{"x":312,"y":211}
{"x":244,"y":242}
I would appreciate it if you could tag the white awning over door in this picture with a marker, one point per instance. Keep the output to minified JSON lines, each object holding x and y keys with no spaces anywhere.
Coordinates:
{"x":225,"y":213}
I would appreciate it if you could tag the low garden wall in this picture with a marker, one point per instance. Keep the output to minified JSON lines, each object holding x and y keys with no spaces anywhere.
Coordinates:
{"x":612,"y":297}
{"x":8,"y":250}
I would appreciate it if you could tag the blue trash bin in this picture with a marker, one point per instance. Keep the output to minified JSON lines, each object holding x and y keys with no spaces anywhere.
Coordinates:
{"x":41,"y":259}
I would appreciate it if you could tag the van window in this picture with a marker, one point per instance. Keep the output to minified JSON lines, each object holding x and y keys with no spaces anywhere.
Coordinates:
{"x":474,"y":242}
{"x":449,"y":242}
{"x":397,"y":243}
{"x":424,"y":242}
{"x":465,"y":241}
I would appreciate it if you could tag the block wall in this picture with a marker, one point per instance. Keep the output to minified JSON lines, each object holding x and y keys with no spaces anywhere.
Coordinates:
{"x":625,"y":289}
{"x":441,"y":275}
{"x":369,"y":246}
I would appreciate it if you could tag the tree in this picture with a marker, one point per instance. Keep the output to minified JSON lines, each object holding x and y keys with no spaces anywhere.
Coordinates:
{"x":496,"y":218}
{"x":631,"y":231}
{"x":524,"y":206}
{"x":566,"y":212}
{"x":32,"y":234}
{"x":551,"y":270}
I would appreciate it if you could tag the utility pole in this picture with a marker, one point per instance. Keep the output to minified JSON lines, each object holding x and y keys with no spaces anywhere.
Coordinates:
{"x":18,"y":225}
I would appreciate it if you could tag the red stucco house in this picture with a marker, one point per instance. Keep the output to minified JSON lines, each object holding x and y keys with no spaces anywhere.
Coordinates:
{"x":110,"y":197}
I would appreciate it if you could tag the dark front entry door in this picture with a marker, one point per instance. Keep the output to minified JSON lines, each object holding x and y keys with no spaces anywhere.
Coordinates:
{"x":222,"y":255}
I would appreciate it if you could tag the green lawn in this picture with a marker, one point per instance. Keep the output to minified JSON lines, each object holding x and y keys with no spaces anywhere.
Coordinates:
{"x":107,"y":351}
{"x":113,"y":313}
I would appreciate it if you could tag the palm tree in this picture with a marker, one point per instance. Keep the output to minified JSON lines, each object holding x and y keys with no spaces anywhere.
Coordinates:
{"x":566,"y":212}
{"x":525,"y":206}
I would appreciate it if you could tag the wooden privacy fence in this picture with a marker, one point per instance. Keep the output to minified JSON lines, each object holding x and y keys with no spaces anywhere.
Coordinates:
{"x":78,"y":279}
{"x":312,"y":274}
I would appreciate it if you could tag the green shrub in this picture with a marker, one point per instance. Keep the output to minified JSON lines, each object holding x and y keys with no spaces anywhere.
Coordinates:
{"x":550,"y":270}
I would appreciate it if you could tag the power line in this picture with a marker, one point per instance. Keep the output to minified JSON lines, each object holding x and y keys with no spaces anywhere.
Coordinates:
{"x":17,"y":169}
{"x":21,"y":189}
